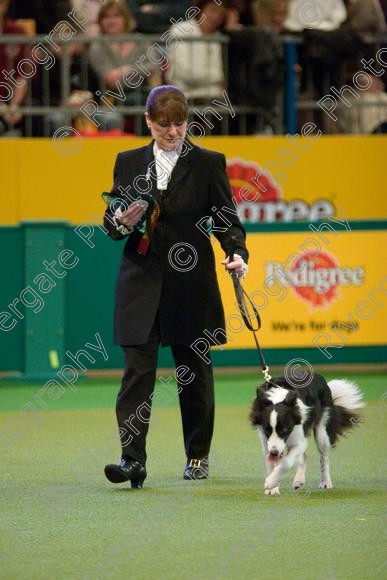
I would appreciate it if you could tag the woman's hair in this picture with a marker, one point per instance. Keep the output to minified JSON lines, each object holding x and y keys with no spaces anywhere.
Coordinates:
{"x":130,"y":21}
{"x":167,"y":103}
{"x":264,"y":9}
{"x":201,"y":4}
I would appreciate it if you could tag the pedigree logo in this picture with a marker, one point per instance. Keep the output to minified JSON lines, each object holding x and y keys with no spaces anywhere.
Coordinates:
{"x":260,"y":198}
{"x":315,"y":279}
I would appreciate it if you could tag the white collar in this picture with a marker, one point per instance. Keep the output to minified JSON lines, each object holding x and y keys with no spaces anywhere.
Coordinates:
{"x":171,"y":153}
{"x":165,"y":162}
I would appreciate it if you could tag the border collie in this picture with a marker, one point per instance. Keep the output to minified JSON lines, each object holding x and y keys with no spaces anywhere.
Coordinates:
{"x":285,"y":414}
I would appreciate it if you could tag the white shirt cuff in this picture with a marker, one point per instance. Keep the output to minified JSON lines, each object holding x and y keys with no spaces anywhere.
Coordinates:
{"x":124,"y":230}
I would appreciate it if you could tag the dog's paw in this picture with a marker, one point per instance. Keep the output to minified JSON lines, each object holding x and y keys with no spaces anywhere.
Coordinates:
{"x":325,"y":485}
{"x":273,"y":491}
{"x":298,"y":484}
{"x":271,"y":481}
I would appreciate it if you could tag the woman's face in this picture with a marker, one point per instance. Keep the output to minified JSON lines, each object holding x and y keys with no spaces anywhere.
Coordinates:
{"x":279,"y":15}
{"x":3,"y":8}
{"x":168,"y":135}
{"x":113,"y":22}
{"x":214,"y":18}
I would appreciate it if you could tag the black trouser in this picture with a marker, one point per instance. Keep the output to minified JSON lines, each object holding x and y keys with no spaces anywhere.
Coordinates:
{"x":134,"y":398}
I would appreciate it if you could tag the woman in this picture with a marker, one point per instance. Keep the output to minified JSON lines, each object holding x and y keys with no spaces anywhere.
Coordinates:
{"x":167,"y":291}
{"x":10,"y":55}
{"x":197,"y":66}
{"x":112,"y":60}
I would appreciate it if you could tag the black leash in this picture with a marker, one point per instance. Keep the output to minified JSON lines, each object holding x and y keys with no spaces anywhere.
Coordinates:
{"x":242,"y":296}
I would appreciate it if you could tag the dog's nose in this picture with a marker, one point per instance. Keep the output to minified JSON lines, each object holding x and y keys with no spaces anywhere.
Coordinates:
{"x":274,"y":452}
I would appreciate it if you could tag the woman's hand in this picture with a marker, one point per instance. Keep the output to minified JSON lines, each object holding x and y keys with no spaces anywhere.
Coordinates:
{"x":12,"y":116}
{"x":131,"y":216}
{"x":114,"y":75}
{"x":238,"y":265}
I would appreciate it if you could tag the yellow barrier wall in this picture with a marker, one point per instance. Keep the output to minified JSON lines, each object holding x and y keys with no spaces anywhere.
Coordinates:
{"x":345,"y":286}
{"x":38,"y":182}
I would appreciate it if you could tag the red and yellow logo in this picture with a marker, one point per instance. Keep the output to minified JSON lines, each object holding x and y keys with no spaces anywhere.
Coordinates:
{"x":260,"y":199}
{"x":315,"y":279}
{"x":241,"y":174}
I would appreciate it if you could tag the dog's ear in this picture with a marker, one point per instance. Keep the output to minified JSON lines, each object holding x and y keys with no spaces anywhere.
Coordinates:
{"x":261,"y":399}
{"x":259,"y":404}
{"x":291,"y":398}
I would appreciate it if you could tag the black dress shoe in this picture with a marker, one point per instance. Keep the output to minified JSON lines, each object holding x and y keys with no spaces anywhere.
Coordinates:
{"x":127,"y":469}
{"x":196,"y":469}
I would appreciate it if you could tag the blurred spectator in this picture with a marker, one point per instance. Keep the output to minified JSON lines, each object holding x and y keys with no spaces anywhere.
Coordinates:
{"x":46,"y":13}
{"x":245,"y":11}
{"x":324,"y":16}
{"x":271,"y":14}
{"x":154,"y":16}
{"x":48,"y":86}
{"x":112,"y":60}
{"x":383,"y":4}
{"x":256,"y":65}
{"x":10,"y":56}
{"x":239,"y":15}
{"x":93,"y":7}
{"x":365,"y":16}
{"x":232,"y":20}
{"x":368,"y":113}
{"x":197,"y":67}
{"x":80,"y":77}
{"x":327,"y":45}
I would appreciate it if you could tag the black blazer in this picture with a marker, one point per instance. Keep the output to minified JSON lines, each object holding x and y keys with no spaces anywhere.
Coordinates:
{"x":183,"y":288}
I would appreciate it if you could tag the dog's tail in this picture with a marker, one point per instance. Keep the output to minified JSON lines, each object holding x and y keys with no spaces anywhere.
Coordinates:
{"x":347,"y":401}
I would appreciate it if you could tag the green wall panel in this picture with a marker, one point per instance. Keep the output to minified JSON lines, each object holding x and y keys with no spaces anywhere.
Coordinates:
{"x":90,"y":294}
{"x":281,"y":356}
{"x":12,"y":283}
{"x":45,"y":281}
{"x":88,"y":290}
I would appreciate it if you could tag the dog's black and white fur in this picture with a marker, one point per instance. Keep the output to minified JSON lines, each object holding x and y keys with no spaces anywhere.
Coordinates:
{"x":285,"y":415}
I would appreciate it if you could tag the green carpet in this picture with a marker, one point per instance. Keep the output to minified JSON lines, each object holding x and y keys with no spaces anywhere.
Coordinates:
{"x":61,"y":519}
